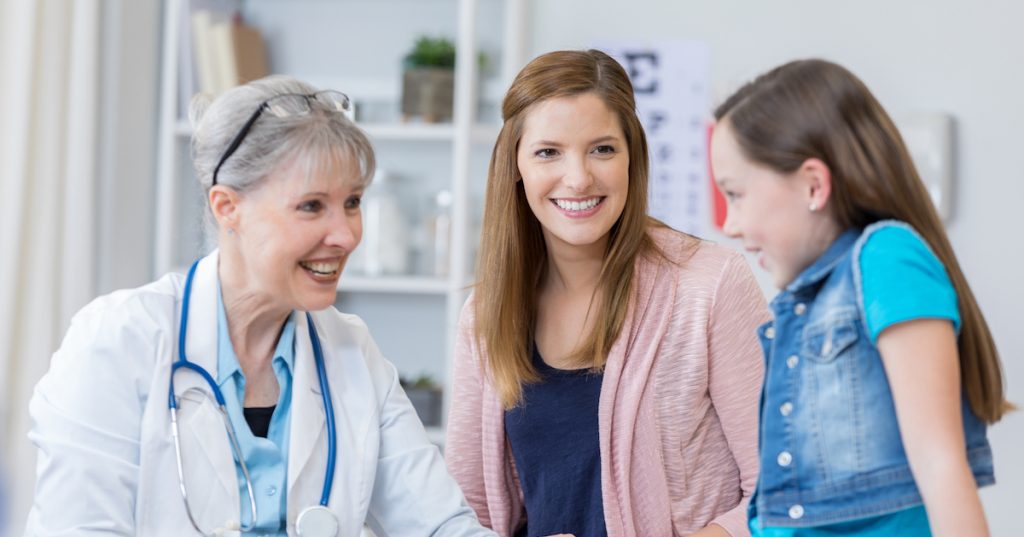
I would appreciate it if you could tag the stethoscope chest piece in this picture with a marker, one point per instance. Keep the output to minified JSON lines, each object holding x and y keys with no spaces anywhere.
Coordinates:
{"x":317,"y":521}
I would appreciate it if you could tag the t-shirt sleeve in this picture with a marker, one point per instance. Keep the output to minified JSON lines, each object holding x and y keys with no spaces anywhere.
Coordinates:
{"x":903,"y":280}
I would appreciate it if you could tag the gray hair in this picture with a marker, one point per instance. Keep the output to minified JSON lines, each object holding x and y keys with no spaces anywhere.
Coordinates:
{"x":315,"y":138}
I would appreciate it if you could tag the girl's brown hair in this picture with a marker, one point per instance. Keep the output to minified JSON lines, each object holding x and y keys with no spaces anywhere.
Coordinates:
{"x":817,"y":109}
{"x":513,"y":256}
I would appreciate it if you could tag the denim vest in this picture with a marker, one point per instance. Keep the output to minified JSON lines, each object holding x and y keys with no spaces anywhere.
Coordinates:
{"x":830,"y":446}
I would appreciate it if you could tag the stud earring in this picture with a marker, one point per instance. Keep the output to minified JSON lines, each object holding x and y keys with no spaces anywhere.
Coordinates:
{"x":813,"y":207}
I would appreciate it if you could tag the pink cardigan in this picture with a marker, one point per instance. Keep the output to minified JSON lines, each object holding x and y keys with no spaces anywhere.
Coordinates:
{"x":677,"y":412}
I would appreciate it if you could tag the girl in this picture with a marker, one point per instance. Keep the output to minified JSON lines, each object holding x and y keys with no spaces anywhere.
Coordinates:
{"x":876,"y":333}
{"x":605,"y":382}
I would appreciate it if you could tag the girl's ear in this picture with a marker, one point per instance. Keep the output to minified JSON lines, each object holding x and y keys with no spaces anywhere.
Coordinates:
{"x":817,"y":177}
{"x":224,"y":206}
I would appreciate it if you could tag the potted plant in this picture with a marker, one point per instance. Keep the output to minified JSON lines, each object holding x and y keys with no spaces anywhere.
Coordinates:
{"x":425,"y":395}
{"x":428,"y":80}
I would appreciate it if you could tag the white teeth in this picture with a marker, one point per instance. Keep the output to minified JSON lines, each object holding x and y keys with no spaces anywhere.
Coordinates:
{"x":321,"y":267}
{"x":577,"y":205}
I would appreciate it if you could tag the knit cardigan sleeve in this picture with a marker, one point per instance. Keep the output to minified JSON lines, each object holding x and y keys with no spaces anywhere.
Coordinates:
{"x":463,"y":450}
{"x":735,"y":373}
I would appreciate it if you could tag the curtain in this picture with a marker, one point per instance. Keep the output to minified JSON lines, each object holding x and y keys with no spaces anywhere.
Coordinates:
{"x":49,"y":83}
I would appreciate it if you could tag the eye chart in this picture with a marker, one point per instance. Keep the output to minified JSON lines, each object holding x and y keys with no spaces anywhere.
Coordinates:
{"x":671,"y":81}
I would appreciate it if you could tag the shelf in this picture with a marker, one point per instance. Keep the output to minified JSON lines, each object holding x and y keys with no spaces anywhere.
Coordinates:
{"x":441,"y":132}
{"x":424,"y":285}
{"x":388,"y":89}
{"x":422,"y":132}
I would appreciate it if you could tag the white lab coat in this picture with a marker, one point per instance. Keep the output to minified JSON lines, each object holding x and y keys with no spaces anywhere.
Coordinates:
{"x":106,"y":458}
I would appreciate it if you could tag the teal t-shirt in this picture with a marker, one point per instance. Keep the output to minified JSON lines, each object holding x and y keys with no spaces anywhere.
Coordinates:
{"x":911,"y":522}
{"x":902,"y":281}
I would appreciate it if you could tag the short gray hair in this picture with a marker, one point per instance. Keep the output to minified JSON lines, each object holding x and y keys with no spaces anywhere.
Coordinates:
{"x":272,"y":142}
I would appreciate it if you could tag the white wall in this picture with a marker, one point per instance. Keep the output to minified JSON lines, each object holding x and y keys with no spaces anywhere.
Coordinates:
{"x":127,"y":143}
{"x":963,"y":58}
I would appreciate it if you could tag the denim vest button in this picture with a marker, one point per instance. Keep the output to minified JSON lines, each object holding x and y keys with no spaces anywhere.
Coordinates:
{"x":792,"y":361}
{"x":800,"y":308}
{"x":786,"y":408}
{"x":769,"y":332}
{"x":797,"y":511}
{"x":785,"y":458}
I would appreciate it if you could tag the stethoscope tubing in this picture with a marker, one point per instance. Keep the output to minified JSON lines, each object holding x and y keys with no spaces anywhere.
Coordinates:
{"x":332,"y":441}
{"x":183,"y":362}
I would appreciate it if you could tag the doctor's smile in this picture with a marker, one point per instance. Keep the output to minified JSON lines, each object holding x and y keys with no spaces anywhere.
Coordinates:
{"x":323,"y":270}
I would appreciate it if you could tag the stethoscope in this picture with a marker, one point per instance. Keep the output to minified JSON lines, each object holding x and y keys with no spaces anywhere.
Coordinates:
{"x":313,"y":521}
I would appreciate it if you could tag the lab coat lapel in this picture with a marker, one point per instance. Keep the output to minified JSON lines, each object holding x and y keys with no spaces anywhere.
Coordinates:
{"x":307,"y":452}
{"x":205,"y":439}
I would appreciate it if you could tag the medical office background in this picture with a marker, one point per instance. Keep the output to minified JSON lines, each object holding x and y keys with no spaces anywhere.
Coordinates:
{"x":95,"y":182}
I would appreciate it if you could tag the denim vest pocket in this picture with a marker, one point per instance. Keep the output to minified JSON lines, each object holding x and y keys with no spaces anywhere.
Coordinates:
{"x":826,"y":339}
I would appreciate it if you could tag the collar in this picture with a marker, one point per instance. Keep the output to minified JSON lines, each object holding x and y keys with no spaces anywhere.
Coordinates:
{"x":826,"y":262}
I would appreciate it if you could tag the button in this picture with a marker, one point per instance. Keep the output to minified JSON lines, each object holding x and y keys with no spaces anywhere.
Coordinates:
{"x":797,"y":511}
{"x":786,"y":408}
{"x":800,"y":308}
{"x":271,"y":490}
{"x":792,"y":361}
{"x":785,"y":458}
{"x":769,"y":332}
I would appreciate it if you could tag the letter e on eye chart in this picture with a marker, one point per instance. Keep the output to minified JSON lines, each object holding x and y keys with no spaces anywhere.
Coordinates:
{"x":671,"y":80}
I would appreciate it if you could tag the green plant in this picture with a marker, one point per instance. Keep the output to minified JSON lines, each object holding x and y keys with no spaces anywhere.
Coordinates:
{"x":431,"y":52}
{"x":423,"y":382}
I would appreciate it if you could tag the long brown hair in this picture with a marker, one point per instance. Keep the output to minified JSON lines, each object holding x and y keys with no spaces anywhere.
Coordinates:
{"x":817,"y":109}
{"x":513,"y":256}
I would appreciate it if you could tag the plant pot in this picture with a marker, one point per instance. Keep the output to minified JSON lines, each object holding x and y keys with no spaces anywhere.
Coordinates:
{"x":427,"y":402}
{"x":428,"y":92}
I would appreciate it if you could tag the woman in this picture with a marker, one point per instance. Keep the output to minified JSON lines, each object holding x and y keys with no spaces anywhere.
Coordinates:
{"x":606,"y":375}
{"x":313,"y":414}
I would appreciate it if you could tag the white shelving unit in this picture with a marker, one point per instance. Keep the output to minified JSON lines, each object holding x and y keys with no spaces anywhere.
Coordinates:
{"x":465,"y":139}
{"x":411,"y":132}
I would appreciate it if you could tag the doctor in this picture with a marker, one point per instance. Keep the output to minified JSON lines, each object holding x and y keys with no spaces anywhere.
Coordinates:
{"x":287,"y":419}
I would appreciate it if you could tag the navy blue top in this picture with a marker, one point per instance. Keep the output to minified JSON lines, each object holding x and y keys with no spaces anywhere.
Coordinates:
{"x":554,"y":439}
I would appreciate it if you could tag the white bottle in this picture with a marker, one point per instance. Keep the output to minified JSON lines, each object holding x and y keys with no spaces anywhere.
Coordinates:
{"x":385,"y":244}
{"x":441,"y":231}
